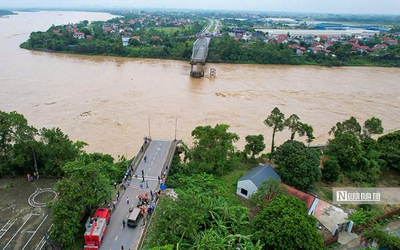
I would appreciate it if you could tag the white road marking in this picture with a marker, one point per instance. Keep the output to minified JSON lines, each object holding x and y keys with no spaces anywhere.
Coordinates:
{"x":43,"y":241}
{"x":8,"y":243}
{"x":35,"y":232}
{"x":6,"y":227}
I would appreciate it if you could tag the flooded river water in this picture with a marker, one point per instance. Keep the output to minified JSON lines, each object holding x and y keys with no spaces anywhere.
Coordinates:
{"x":111,"y":103}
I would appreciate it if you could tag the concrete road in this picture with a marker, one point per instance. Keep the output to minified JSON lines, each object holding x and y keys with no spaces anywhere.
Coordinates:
{"x":116,"y":235}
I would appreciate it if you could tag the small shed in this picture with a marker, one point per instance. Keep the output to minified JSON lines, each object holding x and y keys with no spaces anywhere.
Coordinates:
{"x":248,"y":184}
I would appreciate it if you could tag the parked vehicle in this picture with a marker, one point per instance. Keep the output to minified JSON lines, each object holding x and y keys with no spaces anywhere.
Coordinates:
{"x":96,"y":228}
{"x":134,"y":217}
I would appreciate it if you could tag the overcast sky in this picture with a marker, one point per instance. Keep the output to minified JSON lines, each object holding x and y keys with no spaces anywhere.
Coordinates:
{"x":314,"y":6}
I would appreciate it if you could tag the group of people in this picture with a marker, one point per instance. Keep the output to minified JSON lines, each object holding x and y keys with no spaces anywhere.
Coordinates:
{"x":147,"y":204}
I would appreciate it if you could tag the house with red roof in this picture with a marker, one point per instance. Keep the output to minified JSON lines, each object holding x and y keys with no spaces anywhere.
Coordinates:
{"x":360,"y":47}
{"x":136,"y":37}
{"x":389,"y":41}
{"x":294,"y":46}
{"x":323,"y":37}
{"x":353,"y":40}
{"x":379,"y":47}
{"x":310,"y":200}
{"x":314,"y":49}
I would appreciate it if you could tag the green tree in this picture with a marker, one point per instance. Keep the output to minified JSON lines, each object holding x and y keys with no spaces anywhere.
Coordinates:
{"x":295,"y":126}
{"x":16,"y":142}
{"x":389,"y":147}
{"x":308,"y":130}
{"x":255,"y":144}
{"x":58,"y":149}
{"x":84,"y":187}
{"x":331,"y":170}
{"x":358,"y":160}
{"x":213,"y":150}
{"x":267,"y":192}
{"x":297,"y":164}
{"x":348,"y":151}
{"x":65,"y":217}
{"x":285,"y":224}
{"x":372,"y":126}
{"x":348,"y":126}
{"x":276,"y":120}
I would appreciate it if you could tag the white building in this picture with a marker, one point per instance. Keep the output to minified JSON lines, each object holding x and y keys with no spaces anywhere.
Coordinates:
{"x":248,"y":184}
{"x":79,"y":35}
{"x":125,"y":40}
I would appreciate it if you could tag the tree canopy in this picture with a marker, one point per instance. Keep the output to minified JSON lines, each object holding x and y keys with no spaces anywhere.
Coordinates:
{"x":213,"y":149}
{"x":285,"y":224}
{"x":297,"y":164}
{"x":389,"y":146}
{"x":255,"y":144}
{"x":86,"y":185}
{"x":267,"y":192}
{"x":276,"y":121}
{"x":330,"y":170}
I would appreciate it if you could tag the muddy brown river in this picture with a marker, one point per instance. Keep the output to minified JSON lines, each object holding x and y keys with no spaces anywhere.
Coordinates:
{"x":111,"y":103}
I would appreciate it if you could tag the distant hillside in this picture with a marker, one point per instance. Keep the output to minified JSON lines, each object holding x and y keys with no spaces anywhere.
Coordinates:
{"x":6,"y":12}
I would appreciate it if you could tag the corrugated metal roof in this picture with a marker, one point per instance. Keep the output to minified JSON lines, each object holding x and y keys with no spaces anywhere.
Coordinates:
{"x":261,"y":173}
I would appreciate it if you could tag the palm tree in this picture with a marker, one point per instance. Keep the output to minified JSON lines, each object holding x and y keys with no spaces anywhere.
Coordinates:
{"x":275,"y":120}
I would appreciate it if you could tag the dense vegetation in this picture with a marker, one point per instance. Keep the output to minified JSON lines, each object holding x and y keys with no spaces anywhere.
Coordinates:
{"x":49,"y":152}
{"x":226,"y":49}
{"x":206,"y":215}
{"x":168,"y":40}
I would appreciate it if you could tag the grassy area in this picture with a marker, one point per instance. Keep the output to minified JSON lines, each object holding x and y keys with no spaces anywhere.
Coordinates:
{"x":168,"y":30}
{"x":212,"y":28}
{"x":225,"y":187}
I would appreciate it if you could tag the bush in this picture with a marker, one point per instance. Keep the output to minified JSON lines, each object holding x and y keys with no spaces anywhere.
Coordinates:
{"x":331,"y":170}
{"x":362,"y":217}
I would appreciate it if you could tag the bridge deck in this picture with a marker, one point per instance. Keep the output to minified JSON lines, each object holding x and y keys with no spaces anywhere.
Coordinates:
{"x":200,"y":50}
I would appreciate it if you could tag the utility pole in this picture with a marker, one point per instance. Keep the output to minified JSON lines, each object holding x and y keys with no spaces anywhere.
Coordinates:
{"x":149,"y":126}
{"x":176,"y":124}
{"x":126,"y":156}
{"x":35,"y":166}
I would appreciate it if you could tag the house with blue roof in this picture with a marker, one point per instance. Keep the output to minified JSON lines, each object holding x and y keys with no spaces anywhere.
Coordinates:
{"x":249,"y":183}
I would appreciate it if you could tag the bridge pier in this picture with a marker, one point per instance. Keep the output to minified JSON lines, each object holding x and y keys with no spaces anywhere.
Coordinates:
{"x":197,"y":73}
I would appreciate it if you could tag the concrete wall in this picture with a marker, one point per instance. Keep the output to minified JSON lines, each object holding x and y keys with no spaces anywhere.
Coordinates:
{"x":247,"y":185}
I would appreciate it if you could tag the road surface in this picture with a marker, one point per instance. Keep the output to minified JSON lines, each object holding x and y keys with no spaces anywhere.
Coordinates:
{"x":116,"y":235}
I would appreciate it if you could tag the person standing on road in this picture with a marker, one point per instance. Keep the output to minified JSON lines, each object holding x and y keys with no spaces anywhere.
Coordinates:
{"x":127,"y":200}
{"x":123,"y":224}
{"x":147,"y":184}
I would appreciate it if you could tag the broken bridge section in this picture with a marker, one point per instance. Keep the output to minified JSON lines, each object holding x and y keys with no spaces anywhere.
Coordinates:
{"x":199,"y":56}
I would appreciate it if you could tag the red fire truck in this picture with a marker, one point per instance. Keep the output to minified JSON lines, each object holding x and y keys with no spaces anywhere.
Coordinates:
{"x":96,"y":228}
